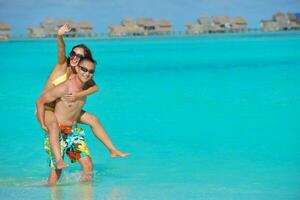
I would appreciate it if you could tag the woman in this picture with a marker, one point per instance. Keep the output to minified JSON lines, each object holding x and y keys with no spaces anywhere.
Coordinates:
{"x":61,"y":72}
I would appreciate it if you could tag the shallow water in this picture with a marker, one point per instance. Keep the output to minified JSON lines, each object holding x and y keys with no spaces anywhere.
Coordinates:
{"x":213,"y":117}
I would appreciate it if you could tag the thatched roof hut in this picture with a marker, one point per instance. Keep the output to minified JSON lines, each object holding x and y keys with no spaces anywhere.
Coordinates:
{"x":292,"y":17}
{"x":4,"y":31}
{"x":85,"y":24}
{"x":61,"y":22}
{"x":149,"y":25}
{"x":221,"y":20}
{"x":279,"y":17}
{"x":205,"y":20}
{"x":117,"y":30}
{"x":140,"y":26}
{"x":279,"y":14}
{"x":239,"y":21}
{"x":4,"y":26}
{"x":294,"y":25}
{"x":48,"y":28}
{"x":238,"y":24}
{"x":194,"y":28}
{"x":37,"y":32}
{"x":268,"y":25}
{"x":84,"y":28}
{"x":164,"y":23}
{"x":146,"y":22}
{"x":127,"y":21}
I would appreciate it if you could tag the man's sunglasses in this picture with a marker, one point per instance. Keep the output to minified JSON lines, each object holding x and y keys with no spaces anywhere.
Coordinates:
{"x":84,"y":69}
{"x":73,"y":54}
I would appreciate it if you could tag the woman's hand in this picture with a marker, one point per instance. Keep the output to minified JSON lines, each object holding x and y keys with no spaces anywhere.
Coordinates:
{"x":64,"y":29}
{"x":69,"y":98}
{"x":44,"y":127}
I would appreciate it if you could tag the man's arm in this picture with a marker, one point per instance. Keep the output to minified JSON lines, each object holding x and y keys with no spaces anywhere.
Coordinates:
{"x":89,"y":88}
{"x":47,"y":97}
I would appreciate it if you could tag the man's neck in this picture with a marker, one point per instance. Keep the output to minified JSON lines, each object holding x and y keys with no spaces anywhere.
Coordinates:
{"x":77,"y":82}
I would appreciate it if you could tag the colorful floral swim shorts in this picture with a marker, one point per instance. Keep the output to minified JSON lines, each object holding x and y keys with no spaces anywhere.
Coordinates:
{"x":71,"y":142}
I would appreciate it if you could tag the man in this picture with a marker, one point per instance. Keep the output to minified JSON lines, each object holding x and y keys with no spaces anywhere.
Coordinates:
{"x":67,"y":114}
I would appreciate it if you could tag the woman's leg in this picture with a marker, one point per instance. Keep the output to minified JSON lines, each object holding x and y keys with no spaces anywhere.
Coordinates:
{"x":52,"y":125}
{"x":100,"y":133}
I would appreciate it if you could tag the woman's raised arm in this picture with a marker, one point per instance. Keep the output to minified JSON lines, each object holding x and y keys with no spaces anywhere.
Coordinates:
{"x":61,"y":44}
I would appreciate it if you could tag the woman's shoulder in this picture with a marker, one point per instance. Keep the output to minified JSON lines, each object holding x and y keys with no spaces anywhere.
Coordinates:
{"x":60,"y":68}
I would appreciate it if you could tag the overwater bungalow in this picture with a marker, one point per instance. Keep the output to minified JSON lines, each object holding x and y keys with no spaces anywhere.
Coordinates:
{"x":117,"y":30}
{"x":127,"y":27}
{"x":36,"y":32}
{"x":49,"y":27}
{"x":194,"y":28}
{"x":164,"y":25}
{"x":206,"y":23}
{"x":280,"y":22}
{"x":217,"y":24}
{"x":141,"y":26}
{"x":268,"y":26}
{"x":294,"y":23}
{"x":84,"y":28}
{"x":238,"y":24}
{"x":223,"y":22}
{"x":4,"y":31}
{"x":149,"y":25}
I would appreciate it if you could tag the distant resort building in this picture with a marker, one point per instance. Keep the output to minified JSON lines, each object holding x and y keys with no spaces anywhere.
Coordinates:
{"x":49,"y":27}
{"x":4,"y":31}
{"x":281,"y":22}
{"x":217,"y":24}
{"x":141,"y":26}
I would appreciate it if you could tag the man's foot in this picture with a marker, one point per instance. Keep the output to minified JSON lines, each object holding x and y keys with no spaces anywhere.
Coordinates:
{"x":115,"y":153}
{"x":60,"y":164}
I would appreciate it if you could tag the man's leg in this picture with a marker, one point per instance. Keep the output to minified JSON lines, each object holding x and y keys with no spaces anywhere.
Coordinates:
{"x":87,"y":169}
{"x":54,"y":176}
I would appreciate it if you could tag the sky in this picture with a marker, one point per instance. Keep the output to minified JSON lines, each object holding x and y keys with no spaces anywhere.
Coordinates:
{"x":20,"y":14}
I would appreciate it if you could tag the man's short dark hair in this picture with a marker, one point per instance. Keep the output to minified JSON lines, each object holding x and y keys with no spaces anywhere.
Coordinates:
{"x":88,"y":59}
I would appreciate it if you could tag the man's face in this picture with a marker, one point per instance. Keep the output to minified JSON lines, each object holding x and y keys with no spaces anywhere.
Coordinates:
{"x":85,"y":70}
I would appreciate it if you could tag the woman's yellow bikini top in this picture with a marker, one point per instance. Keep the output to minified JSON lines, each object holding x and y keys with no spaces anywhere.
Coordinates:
{"x":60,"y":79}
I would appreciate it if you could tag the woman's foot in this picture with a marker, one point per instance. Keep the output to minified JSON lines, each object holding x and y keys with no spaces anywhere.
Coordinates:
{"x":115,"y":153}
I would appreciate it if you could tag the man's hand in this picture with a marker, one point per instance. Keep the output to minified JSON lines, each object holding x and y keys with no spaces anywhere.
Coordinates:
{"x":64,"y":29}
{"x":69,"y":98}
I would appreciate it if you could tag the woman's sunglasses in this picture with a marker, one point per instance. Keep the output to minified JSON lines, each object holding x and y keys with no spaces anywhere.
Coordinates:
{"x":73,"y":54}
{"x":84,"y":69}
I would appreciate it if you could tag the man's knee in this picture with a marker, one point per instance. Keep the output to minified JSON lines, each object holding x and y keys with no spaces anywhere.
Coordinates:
{"x":87,"y":165}
{"x":87,"y":172}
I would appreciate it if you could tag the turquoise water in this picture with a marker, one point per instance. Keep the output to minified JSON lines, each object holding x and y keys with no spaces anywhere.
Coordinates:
{"x":212,"y":117}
